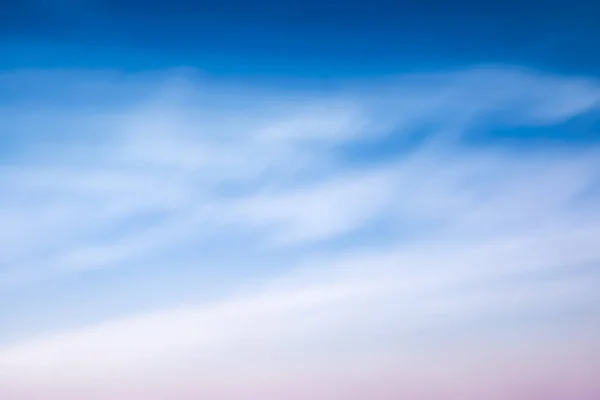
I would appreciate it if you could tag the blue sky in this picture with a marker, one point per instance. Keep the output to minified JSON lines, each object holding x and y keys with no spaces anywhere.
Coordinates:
{"x":331,"y":39}
{"x":322,"y":200}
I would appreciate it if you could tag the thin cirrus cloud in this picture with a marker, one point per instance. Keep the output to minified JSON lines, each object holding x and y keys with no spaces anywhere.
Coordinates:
{"x":236,"y":234}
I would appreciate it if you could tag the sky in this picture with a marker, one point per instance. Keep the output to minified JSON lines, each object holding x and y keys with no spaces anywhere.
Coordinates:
{"x":299,"y":200}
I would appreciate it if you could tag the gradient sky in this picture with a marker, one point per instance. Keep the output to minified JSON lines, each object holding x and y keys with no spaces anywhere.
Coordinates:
{"x":299,"y":200}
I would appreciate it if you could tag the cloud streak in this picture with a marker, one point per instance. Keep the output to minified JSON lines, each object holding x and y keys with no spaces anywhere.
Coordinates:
{"x":285,"y":248}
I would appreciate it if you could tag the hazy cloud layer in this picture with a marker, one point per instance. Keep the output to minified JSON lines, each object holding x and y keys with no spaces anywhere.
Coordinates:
{"x":170,"y":230}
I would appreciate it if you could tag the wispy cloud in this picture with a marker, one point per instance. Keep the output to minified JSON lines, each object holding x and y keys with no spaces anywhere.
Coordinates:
{"x":328,"y":257}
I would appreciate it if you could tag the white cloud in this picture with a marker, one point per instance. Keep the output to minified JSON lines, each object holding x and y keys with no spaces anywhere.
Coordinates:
{"x":138,"y":182}
{"x":319,"y":211}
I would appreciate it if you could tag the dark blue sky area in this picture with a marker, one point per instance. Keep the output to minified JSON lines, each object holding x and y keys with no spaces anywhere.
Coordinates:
{"x":299,"y":38}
